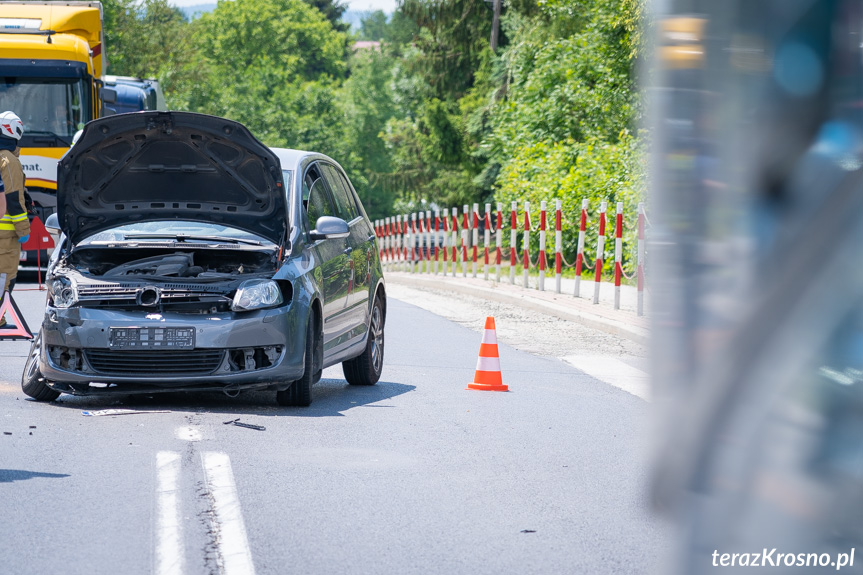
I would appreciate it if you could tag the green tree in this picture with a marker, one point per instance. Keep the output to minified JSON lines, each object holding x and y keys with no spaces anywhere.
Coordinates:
{"x":144,"y":38}
{"x":333,"y":11}
{"x":374,"y":26}
{"x":273,"y":65}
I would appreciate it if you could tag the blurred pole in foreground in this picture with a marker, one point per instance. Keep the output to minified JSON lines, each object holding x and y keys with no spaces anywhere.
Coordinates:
{"x":756,"y":112}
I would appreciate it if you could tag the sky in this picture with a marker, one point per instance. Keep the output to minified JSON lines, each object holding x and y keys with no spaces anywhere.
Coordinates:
{"x":360,"y":5}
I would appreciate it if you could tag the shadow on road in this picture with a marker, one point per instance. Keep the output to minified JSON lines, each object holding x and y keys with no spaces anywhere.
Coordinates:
{"x":330,"y":398}
{"x":10,"y":475}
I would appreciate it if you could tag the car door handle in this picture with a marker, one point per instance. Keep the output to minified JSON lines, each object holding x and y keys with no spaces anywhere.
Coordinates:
{"x":348,"y":250}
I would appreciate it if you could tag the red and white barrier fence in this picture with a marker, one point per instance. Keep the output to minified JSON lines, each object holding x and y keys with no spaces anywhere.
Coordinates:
{"x":411,"y":242}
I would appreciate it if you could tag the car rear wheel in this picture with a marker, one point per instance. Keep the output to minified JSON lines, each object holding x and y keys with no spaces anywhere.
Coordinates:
{"x":300,"y":392}
{"x":32,"y":381}
{"x":365,"y":369}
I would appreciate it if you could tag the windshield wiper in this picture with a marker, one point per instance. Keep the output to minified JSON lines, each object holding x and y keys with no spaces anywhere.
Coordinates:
{"x":46,"y":137}
{"x":183,"y":238}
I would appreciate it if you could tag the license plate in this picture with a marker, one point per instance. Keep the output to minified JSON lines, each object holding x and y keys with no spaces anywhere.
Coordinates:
{"x":22,"y":257}
{"x":151,"y":338}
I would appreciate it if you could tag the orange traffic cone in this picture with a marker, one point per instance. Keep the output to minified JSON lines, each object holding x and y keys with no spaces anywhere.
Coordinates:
{"x":487,"y":376}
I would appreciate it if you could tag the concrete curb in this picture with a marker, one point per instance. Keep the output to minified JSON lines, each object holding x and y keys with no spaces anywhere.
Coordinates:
{"x":616,"y":322}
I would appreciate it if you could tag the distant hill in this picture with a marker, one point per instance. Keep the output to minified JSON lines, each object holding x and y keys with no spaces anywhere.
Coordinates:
{"x":192,"y":12}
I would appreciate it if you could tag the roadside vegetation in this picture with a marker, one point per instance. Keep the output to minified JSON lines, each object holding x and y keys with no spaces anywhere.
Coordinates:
{"x":429,"y":116}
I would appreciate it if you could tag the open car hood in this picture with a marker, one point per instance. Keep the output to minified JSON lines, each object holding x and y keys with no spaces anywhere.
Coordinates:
{"x":154,"y":166}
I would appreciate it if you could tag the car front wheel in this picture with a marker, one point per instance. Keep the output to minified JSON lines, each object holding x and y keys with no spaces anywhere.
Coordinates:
{"x":365,"y":369}
{"x":32,"y":381}
{"x":300,"y":392}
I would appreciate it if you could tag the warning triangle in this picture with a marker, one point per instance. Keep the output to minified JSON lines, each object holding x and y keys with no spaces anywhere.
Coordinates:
{"x":39,"y":239}
{"x":15,"y":327}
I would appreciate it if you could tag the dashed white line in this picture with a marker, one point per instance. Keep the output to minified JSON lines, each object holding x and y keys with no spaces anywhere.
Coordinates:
{"x":169,"y":540}
{"x":189,"y":434}
{"x":614,"y":372}
{"x":235,"y":555}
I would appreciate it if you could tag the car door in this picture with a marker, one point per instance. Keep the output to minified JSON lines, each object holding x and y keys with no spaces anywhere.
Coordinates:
{"x":332,"y":272}
{"x":358,"y":288}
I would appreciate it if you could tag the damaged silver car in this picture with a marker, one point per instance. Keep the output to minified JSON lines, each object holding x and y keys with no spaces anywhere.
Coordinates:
{"x":193,"y":258}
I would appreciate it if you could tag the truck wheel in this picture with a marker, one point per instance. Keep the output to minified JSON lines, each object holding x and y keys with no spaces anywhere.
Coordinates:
{"x":300,"y":392}
{"x":32,"y":382}
{"x":366,"y":368}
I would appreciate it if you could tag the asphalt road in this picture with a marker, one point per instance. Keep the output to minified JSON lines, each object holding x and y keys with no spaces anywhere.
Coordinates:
{"x":414,"y":475}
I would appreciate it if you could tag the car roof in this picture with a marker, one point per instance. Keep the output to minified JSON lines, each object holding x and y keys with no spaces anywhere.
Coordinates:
{"x":291,"y":159}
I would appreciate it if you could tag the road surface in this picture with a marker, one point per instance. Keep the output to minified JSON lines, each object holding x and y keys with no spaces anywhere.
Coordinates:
{"x":414,"y":475}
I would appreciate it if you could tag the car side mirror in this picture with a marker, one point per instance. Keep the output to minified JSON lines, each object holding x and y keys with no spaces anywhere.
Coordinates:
{"x":330,"y":228}
{"x":109,"y":95}
{"x":52,"y":224}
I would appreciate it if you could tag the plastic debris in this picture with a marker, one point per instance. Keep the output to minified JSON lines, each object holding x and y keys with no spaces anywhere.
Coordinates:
{"x":238,"y":423}
{"x":121,"y":412}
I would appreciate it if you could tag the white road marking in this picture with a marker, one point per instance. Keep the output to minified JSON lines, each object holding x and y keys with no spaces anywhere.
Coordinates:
{"x":169,"y":541}
{"x":614,"y":372}
{"x":234,"y":552}
{"x":189,"y":433}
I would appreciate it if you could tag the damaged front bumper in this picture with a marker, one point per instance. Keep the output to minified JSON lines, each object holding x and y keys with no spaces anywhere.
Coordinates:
{"x":230,"y":351}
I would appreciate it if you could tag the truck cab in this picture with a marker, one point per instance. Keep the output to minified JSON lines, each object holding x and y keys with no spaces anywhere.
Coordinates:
{"x":51,"y":66}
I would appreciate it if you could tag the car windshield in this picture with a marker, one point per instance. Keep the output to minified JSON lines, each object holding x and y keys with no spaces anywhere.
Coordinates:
{"x":177,"y":230}
{"x":53,"y":108}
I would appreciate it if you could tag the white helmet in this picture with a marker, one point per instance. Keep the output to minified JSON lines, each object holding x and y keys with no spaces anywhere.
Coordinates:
{"x":11,"y":125}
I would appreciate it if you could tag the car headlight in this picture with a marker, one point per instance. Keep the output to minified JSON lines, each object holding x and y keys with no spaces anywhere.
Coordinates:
{"x":63,"y":292}
{"x":256,"y":294}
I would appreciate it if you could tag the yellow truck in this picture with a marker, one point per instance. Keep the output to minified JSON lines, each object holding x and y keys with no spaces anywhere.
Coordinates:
{"x":51,"y":65}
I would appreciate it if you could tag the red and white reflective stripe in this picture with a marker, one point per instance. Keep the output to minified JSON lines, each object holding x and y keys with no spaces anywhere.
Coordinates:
{"x":445,"y":237}
{"x":392,"y":237}
{"x":486,"y":239}
{"x":579,"y":254}
{"x":413,"y":241}
{"x":543,"y":222}
{"x":600,"y":252}
{"x":525,"y":264}
{"x":640,"y":261}
{"x":454,"y":242}
{"x":474,"y":237}
{"x":386,"y":239}
{"x":428,"y":241}
{"x":513,"y":241}
{"x":398,"y":238}
{"x":436,"y":235}
{"x":558,"y":246}
{"x":421,"y":248}
{"x":498,"y":240}
{"x":464,"y":239}
{"x":380,"y":234}
{"x":405,"y":238}
{"x":618,"y":253}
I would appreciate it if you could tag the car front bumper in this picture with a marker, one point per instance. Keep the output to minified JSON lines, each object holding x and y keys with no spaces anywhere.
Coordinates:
{"x":249,"y":350}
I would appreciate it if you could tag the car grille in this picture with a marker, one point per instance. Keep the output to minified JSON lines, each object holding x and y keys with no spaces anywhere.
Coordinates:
{"x":155,"y":363}
{"x":108,"y":292}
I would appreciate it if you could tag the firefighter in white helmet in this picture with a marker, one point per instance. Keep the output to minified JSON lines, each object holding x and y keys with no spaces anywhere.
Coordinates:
{"x":14,"y":225}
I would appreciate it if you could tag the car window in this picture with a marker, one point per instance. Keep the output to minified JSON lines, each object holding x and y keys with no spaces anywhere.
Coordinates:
{"x":344,"y":201}
{"x":353,"y":194}
{"x":315,"y":196}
